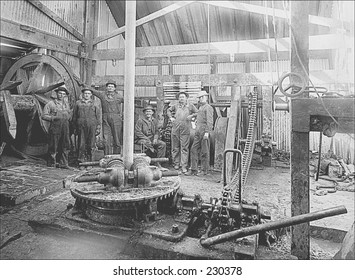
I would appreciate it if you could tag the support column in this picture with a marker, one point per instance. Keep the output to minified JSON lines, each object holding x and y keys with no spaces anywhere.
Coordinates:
{"x":300,"y":241}
{"x":130,"y":58}
{"x":89,"y":34}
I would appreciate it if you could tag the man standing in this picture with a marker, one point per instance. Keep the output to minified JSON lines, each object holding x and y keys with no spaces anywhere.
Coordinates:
{"x":87,"y":124}
{"x":181,"y":115}
{"x":111,"y":103}
{"x":146,"y":132}
{"x":201,"y":144}
{"x":58,"y":113}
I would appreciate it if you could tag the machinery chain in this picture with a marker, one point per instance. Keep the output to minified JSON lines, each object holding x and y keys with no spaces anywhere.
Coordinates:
{"x":233,"y":185}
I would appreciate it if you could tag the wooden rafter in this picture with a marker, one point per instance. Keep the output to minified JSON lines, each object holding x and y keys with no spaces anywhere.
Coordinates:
{"x":261,"y":78}
{"x":324,"y":21}
{"x":317,"y":42}
{"x":144,"y":20}
{"x":40,"y":6}
{"x":34,"y":36}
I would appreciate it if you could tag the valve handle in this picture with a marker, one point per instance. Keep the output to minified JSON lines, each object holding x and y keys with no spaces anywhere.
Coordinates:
{"x":300,"y":89}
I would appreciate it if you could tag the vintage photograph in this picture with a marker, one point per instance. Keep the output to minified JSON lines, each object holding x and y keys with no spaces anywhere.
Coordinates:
{"x":177,"y":130}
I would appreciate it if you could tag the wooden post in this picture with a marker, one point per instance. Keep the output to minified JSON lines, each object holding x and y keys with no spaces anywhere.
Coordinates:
{"x":89,"y":34}
{"x":232,"y":127}
{"x":160,"y":95}
{"x":130,"y":58}
{"x":300,"y":245}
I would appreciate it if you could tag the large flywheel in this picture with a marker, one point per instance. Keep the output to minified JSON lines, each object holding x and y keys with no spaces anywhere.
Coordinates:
{"x":39,"y":75}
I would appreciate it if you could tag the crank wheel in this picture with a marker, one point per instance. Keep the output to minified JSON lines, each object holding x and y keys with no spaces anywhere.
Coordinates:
{"x":39,"y":75}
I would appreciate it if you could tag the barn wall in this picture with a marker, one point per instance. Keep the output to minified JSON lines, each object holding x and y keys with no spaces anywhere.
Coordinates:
{"x":71,"y":11}
{"x":25,"y":13}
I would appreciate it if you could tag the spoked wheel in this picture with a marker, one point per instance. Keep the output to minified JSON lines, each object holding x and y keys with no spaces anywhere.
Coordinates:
{"x":292,"y":89}
{"x":39,"y":75}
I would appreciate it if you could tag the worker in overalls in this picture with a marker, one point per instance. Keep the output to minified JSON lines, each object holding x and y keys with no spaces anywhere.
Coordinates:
{"x":146,"y":132}
{"x":87,"y":124}
{"x":58,"y":113}
{"x":111,"y":103}
{"x":201,"y":144}
{"x":181,"y":115}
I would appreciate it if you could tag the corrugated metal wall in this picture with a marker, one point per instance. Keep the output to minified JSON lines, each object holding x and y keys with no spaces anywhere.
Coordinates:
{"x":24,"y":13}
{"x":106,"y":23}
{"x":71,"y":11}
{"x":342,"y":146}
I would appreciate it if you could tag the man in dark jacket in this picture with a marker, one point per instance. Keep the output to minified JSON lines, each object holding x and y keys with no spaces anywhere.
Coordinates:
{"x":58,"y":113}
{"x":201,"y":144}
{"x":87,"y":124}
{"x":146,"y":132}
{"x":111,"y":103}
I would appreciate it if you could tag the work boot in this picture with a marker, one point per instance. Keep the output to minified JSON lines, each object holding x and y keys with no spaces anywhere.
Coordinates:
{"x":191,"y":173}
{"x":63,"y":166}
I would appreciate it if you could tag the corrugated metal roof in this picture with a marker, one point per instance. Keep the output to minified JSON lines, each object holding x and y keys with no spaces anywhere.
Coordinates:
{"x":188,"y":25}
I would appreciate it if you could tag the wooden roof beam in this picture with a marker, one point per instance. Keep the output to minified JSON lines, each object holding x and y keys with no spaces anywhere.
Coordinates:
{"x":324,"y":21}
{"x":143,"y":20}
{"x":317,"y":42}
{"x":39,"y":38}
{"x":40,"y":6}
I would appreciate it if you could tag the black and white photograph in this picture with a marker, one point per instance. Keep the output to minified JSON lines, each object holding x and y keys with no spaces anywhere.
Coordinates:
{"x":177,"y":139}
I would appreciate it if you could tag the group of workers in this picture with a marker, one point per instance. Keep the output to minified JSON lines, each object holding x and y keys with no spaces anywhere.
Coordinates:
{"x":86,"y":119}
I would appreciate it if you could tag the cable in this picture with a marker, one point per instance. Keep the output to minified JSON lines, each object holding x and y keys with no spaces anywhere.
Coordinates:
{"x":293,"y":41}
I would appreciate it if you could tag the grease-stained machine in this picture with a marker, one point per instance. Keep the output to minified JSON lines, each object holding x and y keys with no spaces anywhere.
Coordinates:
{"x":146,"y":198}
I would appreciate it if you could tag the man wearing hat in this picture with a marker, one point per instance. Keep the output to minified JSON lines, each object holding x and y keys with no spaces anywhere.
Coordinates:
{"x":111,"y":103}
{"x":146,"y":132}
{"x":87,"y":124}
{"x":58,"y":113}
{"x":181,"y":115}
{"x":201,"y":144}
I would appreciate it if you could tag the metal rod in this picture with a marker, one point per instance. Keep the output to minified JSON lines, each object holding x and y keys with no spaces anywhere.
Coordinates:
{"x":89,"y":163}
{"x":130,"y":57}
{"x":159,"y":160}
{"x":90,"y":178}
{"x":319,"y":154}
{"x":274,"y":225}
{"x":170,"y":173}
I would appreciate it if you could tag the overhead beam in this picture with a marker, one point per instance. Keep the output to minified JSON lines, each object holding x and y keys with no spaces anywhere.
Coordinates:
{"x":225,"y":58}
{"x":319,"y":77}
{"x":40,"y":6}
{"x":144,"y":20}
{"x":324,"y":21}
{"x":34,"y":36}
{"x":317,"y":42}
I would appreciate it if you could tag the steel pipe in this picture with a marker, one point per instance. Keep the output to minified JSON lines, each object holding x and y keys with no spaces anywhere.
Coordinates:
{"x":281,"y":106}
{"x":273,"y":225}
{"x":129,"y":89}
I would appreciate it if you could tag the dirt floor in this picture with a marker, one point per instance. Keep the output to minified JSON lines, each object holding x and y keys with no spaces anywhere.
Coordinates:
{"x":269,"y":186}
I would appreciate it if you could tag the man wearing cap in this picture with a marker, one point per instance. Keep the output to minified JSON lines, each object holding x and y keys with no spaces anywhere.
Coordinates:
{"x":146,"y":132}
{"x":58,"y":113}
{"x":201,"y":144}
{"x":87,"y":124}
{"x":181,"y":115}
{"x":111,"y":103}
